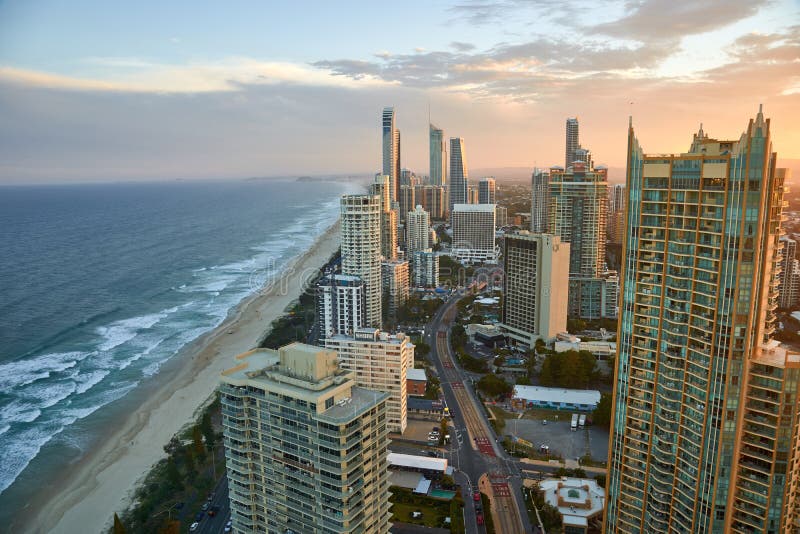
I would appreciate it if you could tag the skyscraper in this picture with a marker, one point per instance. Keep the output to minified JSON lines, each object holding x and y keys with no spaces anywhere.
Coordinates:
{"x":361,"y":248}
{"x":473,"y":233}
{"x":486,"y":187}
{"x":407,"y":201}
{"x":391,"y":152}
{"x":459,"y":175}
{"x":425,"y":268}
{"x":380,"y":362}
{"x":341,"y":305}
{"x":571,"y":142}
{"x":418,"y":229}
{"x":438,"y":156}
{"x":788,"y":286}
{"x":540,"y":199}
{"x":536,"y":268}
{"x":705,"y":411}
{"x":396,"y":282}
{"x":305,"y":447}
{"x":382,"y":188}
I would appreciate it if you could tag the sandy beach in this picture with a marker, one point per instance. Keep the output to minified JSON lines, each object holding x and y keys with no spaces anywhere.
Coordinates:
{"x":91,"y":490}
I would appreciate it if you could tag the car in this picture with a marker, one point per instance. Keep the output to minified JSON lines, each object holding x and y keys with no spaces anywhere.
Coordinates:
{"x":544,"y":421}
{"x":214,"y":510}
{"x":199,"y":516}
{"x":229,"y":524}
{"x":476,"y":496}
{"x":194,"y":526}
{"x":205,"y":506}
{"x":479,"y":518}
{"x":227,"y":528}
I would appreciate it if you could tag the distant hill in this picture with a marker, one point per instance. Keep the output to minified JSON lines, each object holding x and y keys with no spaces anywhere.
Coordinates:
{"x":523,"y":174}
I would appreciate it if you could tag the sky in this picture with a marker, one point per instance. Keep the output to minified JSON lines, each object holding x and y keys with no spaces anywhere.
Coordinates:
{"x":97,"y":90}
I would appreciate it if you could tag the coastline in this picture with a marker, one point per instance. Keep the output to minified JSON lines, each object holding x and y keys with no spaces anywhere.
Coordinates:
{"x":86,"y":495}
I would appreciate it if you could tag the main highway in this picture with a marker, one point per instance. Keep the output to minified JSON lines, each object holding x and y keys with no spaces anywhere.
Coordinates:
{"x":475,"y":452}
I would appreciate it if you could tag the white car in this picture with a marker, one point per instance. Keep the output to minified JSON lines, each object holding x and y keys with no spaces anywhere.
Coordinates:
{"x":194,"y":526}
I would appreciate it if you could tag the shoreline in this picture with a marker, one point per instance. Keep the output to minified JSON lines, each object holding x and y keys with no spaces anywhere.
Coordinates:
{"x":86,"y":495}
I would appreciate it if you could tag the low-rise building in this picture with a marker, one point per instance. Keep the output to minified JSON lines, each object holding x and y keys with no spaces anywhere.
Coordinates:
{"x":584,"y":400}
{"x":580,"y":502}
{"x":416,"y":382}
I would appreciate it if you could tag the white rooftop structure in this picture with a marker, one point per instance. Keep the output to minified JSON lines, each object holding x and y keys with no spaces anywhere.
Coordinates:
{"x":416,"y":374}
{"x":410,"y":461}
{"x":577,"y":499}
{"x":543,"y":395}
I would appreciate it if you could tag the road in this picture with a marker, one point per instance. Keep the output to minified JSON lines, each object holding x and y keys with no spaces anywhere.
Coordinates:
{"x":216,"y":524}
{"x":483,"y":457}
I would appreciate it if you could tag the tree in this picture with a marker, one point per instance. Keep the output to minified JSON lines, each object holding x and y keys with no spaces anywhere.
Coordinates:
{"x":191,"y":470}
{"x":197,"y":443}
{"x":208,"y":430}
{"x":575,"y":325}
{"x":421,"y":349}
{"x":602,"y":414}
{"x":119,"y":528}
{"x":493,"y":385}
{"x":173,"y":475}
{"x":442,"y":430}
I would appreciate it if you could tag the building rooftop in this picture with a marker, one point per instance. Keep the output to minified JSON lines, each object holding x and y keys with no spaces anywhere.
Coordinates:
{"x":416,"y":374}
{"x":372,"y":335}
{"x":483,"y":208}
{"x":557,"y":395}
{"x":417,"y":462}
{"x":360,"y":400}
{"x":577,"y":499}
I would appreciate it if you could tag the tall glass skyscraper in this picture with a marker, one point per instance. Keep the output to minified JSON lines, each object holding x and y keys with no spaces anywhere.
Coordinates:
{"x":391,"y":151}
{"x":540,"y":200}
{"x":705,"y":413}
{"x":572,"y":142}
{"x":438,"y":156}
{"x":458,"y":173}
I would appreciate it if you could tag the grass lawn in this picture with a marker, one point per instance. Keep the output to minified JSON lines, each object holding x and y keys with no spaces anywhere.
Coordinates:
{"x":404,"y":502}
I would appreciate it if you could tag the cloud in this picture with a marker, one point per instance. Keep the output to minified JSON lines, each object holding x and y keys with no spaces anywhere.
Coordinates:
{"x":670,"y":19}
{"x":461,"y":46}
{"x":137,"y":75}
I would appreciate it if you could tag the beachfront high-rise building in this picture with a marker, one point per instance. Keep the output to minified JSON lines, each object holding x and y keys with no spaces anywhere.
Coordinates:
{"x":578,"y":207}
{"x":486,"y":190}
{"x":788,"y":283}
{"x":540,"y":196}
{"x":616,"y":198}
{"x":395,"y":282}
{"x":341,"y":304}
{"x":380,"y":362}
{"x":616,"y":213}
{"x":705,"y":414}
{"x":361,"y":248}
{"x":572,"y":142}
{"x":382,"y":187}
{"x":391,"y":151}
{"x":536,"y":268}
{"x":459,"y":175}
{"x":425,"y":268}
{"x":438,"y":155}
{"x":407,"y":201}
{"x":473,"y":233}
{"x":418,"y":230}
{"x":306,"y":448}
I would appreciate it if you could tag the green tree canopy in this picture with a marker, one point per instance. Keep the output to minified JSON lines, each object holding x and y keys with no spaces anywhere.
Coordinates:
{"x":602,"y":414}
{"x":494,"y":385}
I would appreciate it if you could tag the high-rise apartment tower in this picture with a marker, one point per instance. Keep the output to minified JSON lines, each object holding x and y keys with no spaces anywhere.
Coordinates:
{"x":361,"y":248}
{"x":459,"y":175}
{"x":438,"y":156}
{"x":705,"y":413}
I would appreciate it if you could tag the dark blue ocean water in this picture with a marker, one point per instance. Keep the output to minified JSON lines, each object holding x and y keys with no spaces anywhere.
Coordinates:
{"x":101,"y":284}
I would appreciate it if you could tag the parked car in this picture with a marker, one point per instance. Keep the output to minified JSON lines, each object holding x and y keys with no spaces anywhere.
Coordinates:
{"x":476,"y":496}
{"x":194,"y":526}
{"x":199,"y":516}
{"x":205,"y":506}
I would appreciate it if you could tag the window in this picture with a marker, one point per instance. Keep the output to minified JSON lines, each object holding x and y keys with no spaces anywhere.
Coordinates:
{"x":328,"y":402}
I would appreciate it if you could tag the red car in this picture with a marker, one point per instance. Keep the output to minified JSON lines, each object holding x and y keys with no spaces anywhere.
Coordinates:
{"x":479,"y":518}
{"x":476,"y":496}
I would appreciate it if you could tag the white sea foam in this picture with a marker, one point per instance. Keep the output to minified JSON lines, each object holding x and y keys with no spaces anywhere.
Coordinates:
{"x":23,"y":372}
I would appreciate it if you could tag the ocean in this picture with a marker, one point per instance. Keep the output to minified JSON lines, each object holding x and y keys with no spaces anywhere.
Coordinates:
{"x":101,"y":284}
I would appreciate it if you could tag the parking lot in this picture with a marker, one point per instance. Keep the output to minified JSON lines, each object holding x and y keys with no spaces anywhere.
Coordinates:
{"x":560,"y":438}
